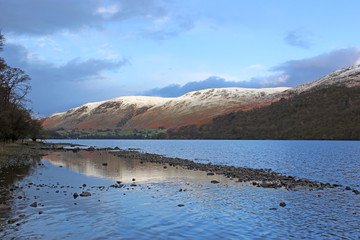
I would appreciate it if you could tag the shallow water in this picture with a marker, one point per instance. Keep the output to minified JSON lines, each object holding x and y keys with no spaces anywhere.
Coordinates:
{"x":228,"y":210}
{"x":325,"y":161}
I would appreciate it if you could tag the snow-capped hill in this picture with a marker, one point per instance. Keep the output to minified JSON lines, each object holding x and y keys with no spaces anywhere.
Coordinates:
{"x":152,"y":112}
{"x":120,"y":102}
{"x":346,"y":77}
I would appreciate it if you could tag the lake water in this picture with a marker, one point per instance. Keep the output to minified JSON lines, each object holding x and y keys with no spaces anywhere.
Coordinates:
{"x":176,"y":203}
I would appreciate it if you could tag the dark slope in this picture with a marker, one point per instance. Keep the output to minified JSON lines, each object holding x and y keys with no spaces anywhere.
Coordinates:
{"x":332,"y":112}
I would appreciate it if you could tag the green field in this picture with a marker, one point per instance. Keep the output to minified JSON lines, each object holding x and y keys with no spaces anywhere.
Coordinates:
{"x":106,"y":134}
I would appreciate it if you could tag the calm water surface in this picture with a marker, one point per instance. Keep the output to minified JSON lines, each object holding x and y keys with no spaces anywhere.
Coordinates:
{"x":150,"y":210}
{"x":327,"y":161}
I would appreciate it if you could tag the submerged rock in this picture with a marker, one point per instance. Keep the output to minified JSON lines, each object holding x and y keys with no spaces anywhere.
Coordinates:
{"x":34,"y":204}
{"x":282,"y":204}
{"x":85,"y":194}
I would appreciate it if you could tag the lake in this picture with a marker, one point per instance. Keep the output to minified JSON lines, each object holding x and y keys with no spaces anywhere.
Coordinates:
{"x":176,"y":203}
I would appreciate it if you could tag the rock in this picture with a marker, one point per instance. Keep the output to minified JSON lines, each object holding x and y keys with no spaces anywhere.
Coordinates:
{"x":4,"y":207}
{"x":34,"y":204}
{"x":348,"y":188}
{"x":180,"y":190}
{"x":41,"y":212}
{"x":181,"y":205}
{"x":14,"y":220}
{"x":118,"y":182}
{"x":76,"y":195}
{"x":104,"y":164}
{"x":282,"y":204}
{"x":133,"y":179}
{"x":85,"y":194}
{"x":133,"y":185}
{"x":210,"y":174}
{"x":274,"y":208}
{"x":215,"y":181}
{"x":268,"y":185}
{"x":356,"y":192}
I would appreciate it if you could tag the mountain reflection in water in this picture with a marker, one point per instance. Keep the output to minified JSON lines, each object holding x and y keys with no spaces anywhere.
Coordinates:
{"x":104,"y":165}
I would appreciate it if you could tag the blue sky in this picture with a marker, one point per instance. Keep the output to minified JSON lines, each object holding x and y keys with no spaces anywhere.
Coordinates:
{"x":85,"y":51}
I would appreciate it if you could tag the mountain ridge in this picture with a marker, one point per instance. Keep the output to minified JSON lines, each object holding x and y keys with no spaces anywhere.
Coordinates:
{"x":134,"y":112}
{"x":193,"y":108}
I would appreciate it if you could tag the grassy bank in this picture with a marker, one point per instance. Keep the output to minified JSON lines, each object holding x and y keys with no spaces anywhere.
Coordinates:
{"x":19,"y":153}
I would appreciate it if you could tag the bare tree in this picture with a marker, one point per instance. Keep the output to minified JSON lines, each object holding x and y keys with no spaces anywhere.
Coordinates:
{"x":14,"y":86}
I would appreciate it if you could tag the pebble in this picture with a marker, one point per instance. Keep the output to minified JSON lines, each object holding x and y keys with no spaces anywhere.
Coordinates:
{"x":14,"y":220}
{"x":85,"y":194}
{"x":215,"y":181}
{"x":282,"y":204}
{"x":34,"y":204}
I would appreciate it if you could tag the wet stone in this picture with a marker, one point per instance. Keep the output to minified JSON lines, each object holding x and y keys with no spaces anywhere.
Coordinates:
{"x":215,"y":181}
{"x":34,"y":204}
{"x":282,"y":204}
{"x":14,"y":220}
{"x":85,"y":194}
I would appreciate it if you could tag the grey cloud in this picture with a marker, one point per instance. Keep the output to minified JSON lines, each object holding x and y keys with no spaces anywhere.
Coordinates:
{"x":41,"y":17}
{"x":59,"y":88}
{"x":310,"y":69}
{"x":296,"y":38}
{"x":176,"y":90}
{"x":288,"y":74}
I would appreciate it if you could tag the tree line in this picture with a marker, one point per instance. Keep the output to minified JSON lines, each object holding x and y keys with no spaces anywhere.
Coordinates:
{"x":16,"y":121}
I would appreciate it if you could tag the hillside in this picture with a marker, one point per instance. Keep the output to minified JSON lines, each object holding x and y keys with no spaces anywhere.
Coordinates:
{"x":328,"y":108}
{"x":128,"y":113}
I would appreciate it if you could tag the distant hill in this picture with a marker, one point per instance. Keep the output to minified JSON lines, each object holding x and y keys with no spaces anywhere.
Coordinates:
{"x":328,"y":108}
{"x":137,"y":112}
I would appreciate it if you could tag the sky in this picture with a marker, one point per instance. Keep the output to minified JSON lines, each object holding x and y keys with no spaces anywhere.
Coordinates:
{"x":86,"y":51}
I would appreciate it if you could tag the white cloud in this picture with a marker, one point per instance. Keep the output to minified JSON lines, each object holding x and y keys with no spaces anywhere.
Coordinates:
{"x":108,"y":11}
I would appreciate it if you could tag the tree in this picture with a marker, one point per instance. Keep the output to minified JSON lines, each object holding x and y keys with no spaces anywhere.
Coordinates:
{"x":15,"y":120}
{"x":14,"y":86}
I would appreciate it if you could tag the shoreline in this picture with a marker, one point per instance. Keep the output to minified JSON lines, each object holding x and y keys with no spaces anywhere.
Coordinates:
{"x":265,"y":178}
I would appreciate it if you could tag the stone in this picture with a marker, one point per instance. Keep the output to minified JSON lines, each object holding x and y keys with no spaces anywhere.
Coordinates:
{"x":41,"y":212}
{"x":356,"y":192}
{"x":210,"y":174}
{"x":14,"y":220}
{"x":348,"y":188}
{"x":34,"y":204}
{"x":181,"y":205}
{"x":268,"y":185}
{"x":76,"y":195}
{"x":85,"y":194}
{"x":84,"y":185}
{"x":282,"y":204}
{"x":215,"y":181}
{"x":104,"y":164}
